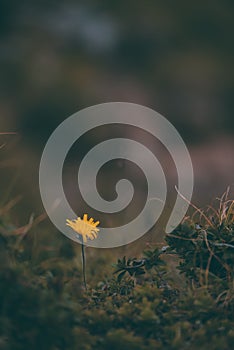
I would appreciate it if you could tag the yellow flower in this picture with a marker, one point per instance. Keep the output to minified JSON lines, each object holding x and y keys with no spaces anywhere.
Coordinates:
{"x":84,"y":227}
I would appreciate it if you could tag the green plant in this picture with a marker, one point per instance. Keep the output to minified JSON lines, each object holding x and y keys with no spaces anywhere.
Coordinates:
{"x":136,"y":267}
{"x":206,"y":250}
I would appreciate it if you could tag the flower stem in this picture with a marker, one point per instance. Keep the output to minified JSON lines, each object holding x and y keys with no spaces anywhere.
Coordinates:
{"x":83,"y":264}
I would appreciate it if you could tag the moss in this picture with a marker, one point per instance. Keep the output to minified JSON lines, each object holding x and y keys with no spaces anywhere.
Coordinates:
{"x":43,"y":304}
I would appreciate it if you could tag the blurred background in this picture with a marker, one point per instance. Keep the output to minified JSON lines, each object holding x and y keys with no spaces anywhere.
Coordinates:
{"x":58,"y":57}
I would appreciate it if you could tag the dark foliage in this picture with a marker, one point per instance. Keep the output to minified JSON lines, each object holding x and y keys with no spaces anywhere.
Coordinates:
{"x":43,"y":305}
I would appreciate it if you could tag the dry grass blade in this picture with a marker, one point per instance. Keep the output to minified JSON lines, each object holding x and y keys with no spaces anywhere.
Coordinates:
{"x":196,"y":208}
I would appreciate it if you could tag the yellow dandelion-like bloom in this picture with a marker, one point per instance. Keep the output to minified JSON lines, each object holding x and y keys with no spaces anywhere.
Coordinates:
{"x":84,"y":227}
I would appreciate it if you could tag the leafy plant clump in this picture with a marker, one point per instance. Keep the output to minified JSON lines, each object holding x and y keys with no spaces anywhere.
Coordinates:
{"x":139,"y":305}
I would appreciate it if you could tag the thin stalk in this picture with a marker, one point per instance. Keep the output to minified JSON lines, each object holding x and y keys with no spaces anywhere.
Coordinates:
{"x":83,"y":264}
